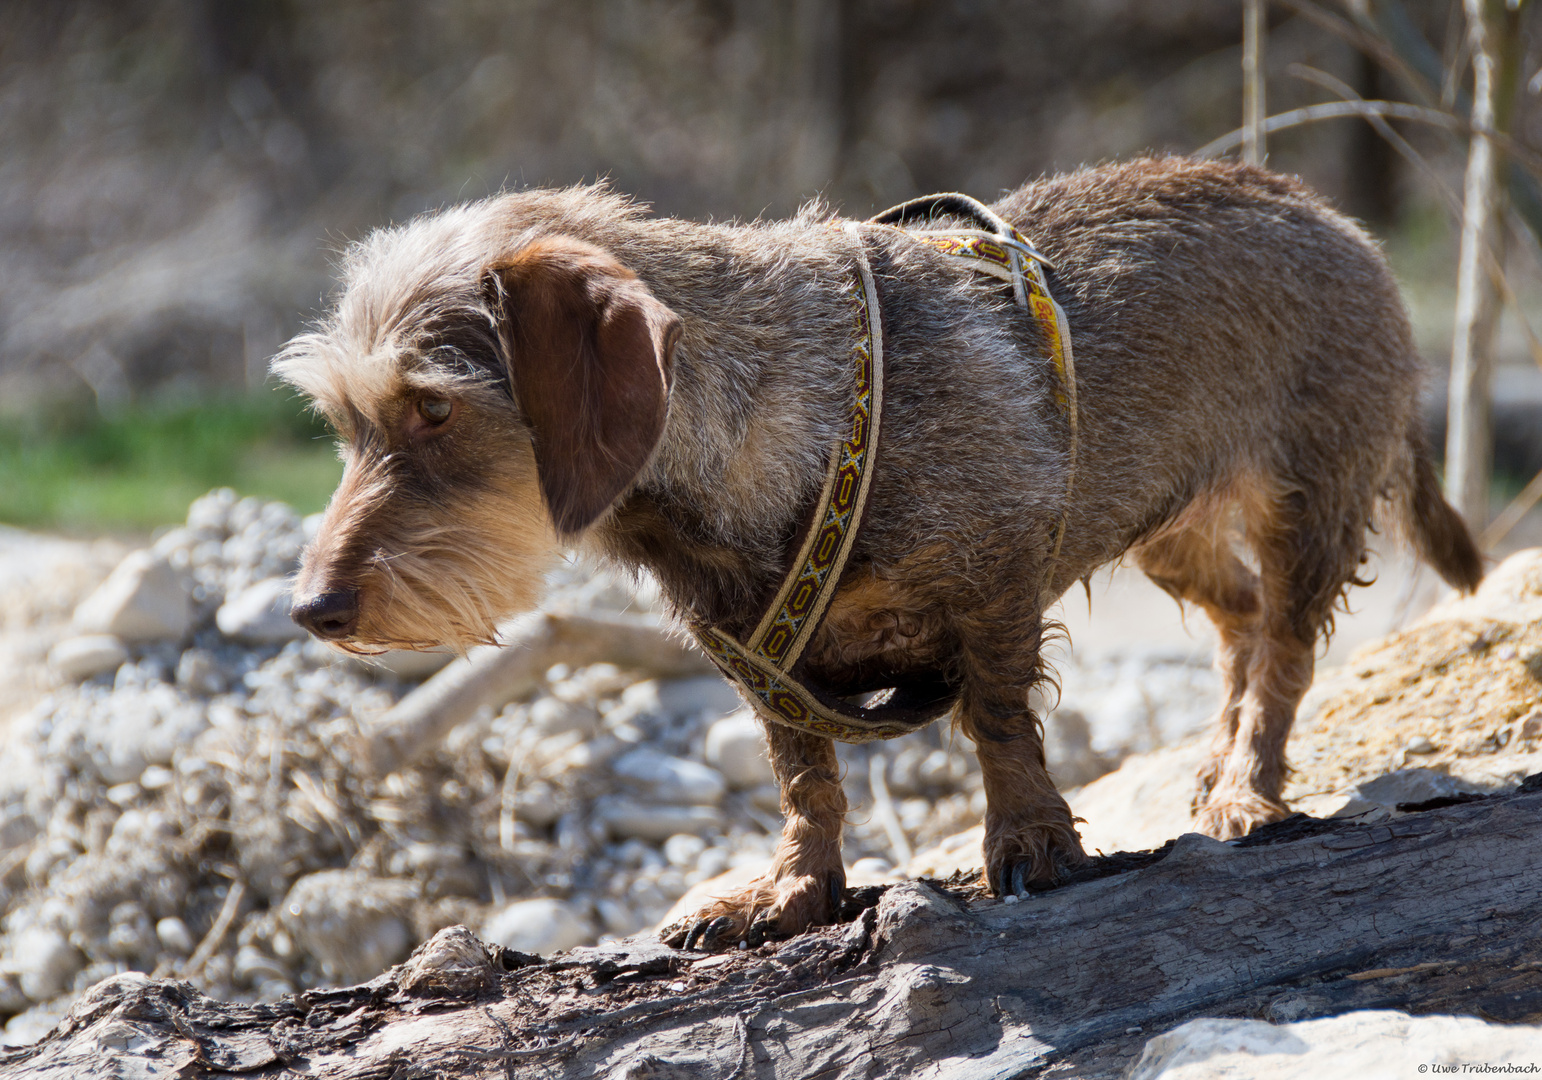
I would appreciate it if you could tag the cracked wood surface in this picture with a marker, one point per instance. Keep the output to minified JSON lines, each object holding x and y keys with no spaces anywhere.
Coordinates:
{"x":1433,"y":912}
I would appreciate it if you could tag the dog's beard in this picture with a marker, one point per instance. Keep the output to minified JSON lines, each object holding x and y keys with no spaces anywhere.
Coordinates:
{"x":451,"y":585}
{"x":430,"y":575}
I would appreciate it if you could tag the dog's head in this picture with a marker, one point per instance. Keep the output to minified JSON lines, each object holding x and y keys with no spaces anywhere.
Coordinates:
{"x":495,"y":390}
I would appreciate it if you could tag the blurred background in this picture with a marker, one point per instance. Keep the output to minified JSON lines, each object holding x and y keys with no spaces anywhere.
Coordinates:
{"x":179,"y":174}
{"x":192,"y":790}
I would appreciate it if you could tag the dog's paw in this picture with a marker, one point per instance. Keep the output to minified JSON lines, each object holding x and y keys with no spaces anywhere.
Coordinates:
{"x":1229,"y":815}
{"x":767,"y":909}
{"x":1031,"y":858}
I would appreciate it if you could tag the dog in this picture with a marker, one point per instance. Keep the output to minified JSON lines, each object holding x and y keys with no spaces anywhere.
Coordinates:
{"x":556,"y":369}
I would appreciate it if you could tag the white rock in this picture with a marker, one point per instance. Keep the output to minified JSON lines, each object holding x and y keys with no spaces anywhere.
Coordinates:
{"x":553,"y":716}
{"x":1373,"y":1045}
{"x":712,"y":862}
{"x":408,"y":664}
{"x":736,"y":747}
{"x":680,"y":697}
{"x":17,"y":827}
{"x":557,"y":753}
{"x":683,"y":849}
{"x":80,"y":658}
{"x":541,"y":927}
{"x":537,"y":804}
{"x":146,"y":726}
{"x":174,"y":935}
{"x":125,"y":794}
{"x":44,"y":961}
{"x":706,"y":693}
{"x":589,"y":683}
{"x":121,"y":756}
{"x":142,"y":600}
{"x":767,"y":797}
{"x":870,"y":871}
{"x":627,"y":819}
{"x":259,"y":615}
{"x":671,"y":779}
{"x":198,"y":671}
{"x":211,"y":512}
{"x":137,"y":830}
{"x":1403,"y":786}
{"x":356,"y":925}
{"x":253,"y":966}
{"x":29,"y":1027}
{"x":156,"y":777}
{"x":618,"y":918}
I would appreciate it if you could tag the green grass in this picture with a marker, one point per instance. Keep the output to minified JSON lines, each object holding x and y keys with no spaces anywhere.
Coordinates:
{"x":66,"y":467}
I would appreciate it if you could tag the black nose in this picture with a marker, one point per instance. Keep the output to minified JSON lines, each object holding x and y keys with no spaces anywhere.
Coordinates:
{"x":328,"y":615}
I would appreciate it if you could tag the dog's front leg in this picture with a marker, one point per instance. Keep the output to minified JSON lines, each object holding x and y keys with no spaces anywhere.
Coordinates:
{"x":804,"y":885}
{"x":1030,"y":833}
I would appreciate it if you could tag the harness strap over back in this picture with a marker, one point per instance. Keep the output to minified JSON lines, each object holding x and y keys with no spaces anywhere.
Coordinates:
{"x":1000,"y":250}
{"x":768,"y":664}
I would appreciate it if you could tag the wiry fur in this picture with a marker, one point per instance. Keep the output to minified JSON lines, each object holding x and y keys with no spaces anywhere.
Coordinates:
{"x":1238,"y":345}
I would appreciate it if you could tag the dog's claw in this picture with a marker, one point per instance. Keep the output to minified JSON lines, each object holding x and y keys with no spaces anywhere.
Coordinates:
{"x":1017,"y":878}
{"x":716,"y":932}
{"x":1020,"y":872}
{"x":710,"y":935}
{"x":761,"y":931}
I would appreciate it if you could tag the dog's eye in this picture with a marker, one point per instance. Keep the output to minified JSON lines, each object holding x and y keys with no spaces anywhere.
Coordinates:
{"x":434,"y":410}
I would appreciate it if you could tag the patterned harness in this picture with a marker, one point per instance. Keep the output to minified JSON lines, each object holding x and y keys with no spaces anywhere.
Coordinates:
{"x":768,"y":664}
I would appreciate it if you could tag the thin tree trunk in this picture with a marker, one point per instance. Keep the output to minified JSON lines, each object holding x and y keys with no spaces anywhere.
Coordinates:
{"x":1493,"y":32}
{"x":1253,"y":151}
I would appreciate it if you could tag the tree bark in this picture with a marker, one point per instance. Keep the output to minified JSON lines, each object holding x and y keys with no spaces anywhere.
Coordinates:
{"x":1432,"y":912}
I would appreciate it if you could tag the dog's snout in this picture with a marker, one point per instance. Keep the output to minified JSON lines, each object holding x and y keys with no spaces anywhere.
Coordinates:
{"x":329,"y":615}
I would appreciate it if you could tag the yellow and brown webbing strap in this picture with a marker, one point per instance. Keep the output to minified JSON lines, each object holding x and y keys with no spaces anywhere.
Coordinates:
{"x":766,"y":664}
{"x":1003,"y":252}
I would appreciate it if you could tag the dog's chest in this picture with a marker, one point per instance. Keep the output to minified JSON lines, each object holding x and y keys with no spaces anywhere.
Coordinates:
{"x":876,"y":626}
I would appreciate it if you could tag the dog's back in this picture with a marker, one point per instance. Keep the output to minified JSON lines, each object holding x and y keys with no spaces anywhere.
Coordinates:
{"x":1231,"y":329}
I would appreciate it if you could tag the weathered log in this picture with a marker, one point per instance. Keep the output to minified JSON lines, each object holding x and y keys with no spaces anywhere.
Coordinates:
{"x":1432,"y":912}
{"x":495,"y":675}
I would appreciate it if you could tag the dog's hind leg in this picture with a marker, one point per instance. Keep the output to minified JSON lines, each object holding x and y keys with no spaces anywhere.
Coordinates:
{"x":804,"y":885}
{"x":1309,"y":540}
{"x":1198,"y":565}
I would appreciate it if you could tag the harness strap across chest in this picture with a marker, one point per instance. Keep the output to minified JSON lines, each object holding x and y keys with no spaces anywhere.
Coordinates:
{"x":768,"y":663}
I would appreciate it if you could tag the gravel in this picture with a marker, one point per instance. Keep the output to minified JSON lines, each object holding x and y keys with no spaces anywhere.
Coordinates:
{"x":197,"y":804}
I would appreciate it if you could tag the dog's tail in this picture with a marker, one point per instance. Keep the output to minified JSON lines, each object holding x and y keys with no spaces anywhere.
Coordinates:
{"x":1433,"y":526}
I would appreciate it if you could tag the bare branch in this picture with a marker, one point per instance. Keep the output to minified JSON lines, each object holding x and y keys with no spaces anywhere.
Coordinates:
{"x":1528,"y":159}
{"x":1335,"y":110}
{"x":1500,"y":527}
{"x":1372,"y":44}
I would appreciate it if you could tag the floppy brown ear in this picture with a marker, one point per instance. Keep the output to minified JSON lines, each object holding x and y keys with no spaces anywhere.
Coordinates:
{"x":590,"y":362}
